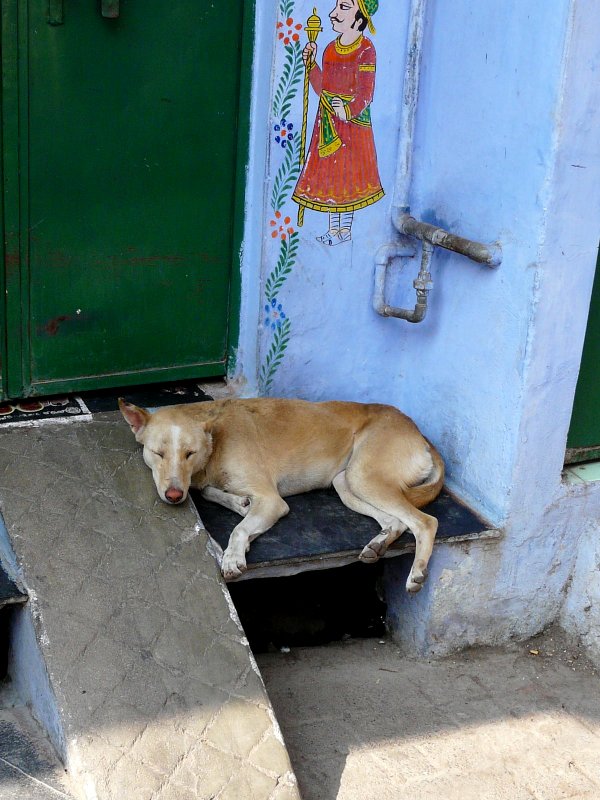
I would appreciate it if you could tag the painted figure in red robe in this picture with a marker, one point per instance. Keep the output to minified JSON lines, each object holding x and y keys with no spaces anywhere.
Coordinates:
{"x":340,"y":174}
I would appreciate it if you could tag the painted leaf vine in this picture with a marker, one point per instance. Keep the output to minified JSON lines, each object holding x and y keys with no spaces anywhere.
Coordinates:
{"x":281,"y":339}
{"x":286,"y":8}
{"x":289,"y":81}
{"x":287,"y":256}
{"x":287,"y":176}
{"x":276,"y":322}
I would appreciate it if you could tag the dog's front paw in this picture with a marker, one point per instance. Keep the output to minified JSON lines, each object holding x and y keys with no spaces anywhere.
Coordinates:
{"x":243,"y":506}
{"x":375,"y":549}
{"x":234,"y":564}
{"x":368,"y":555}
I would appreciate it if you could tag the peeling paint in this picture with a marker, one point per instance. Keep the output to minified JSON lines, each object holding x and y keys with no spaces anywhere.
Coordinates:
{"x":190,"y":535}
{"x":52,"y":327}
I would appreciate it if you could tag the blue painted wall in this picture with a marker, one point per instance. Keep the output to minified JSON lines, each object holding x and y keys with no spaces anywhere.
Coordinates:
{"x":483,"y":159}
{"x":505,"y":149}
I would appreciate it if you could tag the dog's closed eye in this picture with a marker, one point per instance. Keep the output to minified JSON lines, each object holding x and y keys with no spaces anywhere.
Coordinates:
{"x":156,"y":453}
{"x":190,"y":453}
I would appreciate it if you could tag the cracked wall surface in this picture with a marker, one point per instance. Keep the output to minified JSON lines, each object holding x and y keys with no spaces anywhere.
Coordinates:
{"x":157,"y":691}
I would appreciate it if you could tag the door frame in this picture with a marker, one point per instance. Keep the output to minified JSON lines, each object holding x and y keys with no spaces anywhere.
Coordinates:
{"x":15,"y":380}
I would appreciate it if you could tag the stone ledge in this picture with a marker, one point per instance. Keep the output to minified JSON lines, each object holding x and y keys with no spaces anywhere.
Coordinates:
{"x":155,"y":690}
{"x":321,"y":533}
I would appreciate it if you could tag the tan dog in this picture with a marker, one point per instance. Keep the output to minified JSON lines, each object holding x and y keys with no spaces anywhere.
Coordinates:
{"x":248,"y":455}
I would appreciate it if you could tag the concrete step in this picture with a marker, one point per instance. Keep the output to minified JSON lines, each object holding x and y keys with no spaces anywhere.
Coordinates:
{"x":129,"y":650}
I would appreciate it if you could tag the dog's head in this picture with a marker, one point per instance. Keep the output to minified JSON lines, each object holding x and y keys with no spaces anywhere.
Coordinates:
{"x":176,"y":446}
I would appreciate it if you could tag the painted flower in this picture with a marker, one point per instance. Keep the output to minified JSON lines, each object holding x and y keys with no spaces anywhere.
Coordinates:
{"x":280,"y":226}
{"x":288,"y":31}
{"x":274,"y":314}
{"x":284,"y":132}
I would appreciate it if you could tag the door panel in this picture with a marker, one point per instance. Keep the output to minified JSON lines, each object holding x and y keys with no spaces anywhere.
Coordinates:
{"x":130,"y":169}
{"x":584,"y":432}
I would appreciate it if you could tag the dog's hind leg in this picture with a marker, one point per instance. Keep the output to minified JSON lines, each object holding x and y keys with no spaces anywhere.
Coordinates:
{"x":380,"y":492}
{"x":234,"y":502}
{"x":265,"y":510}
{"x":391,"y":528}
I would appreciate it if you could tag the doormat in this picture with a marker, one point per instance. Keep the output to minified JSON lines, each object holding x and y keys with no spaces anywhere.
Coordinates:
{"x":33,"y":411}
{"x":148,"y":396}
{"x":20,"y":413}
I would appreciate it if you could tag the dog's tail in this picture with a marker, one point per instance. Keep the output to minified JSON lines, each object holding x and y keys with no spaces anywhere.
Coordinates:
{"x":426,"y":492}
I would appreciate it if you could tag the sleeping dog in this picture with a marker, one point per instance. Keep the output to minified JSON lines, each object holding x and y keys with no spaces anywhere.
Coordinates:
{"x":248,"y":455}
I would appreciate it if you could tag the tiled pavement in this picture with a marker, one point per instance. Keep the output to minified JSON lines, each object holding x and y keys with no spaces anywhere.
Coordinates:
{"x":364,"y":721}
{"x":157,"y":692}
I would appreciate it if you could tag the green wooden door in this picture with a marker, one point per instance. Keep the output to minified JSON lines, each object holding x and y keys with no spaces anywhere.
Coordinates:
{"x":584,"y":433}
{"x":120,"y":164}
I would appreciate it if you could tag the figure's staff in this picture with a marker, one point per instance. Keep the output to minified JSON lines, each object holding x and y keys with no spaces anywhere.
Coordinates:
{"x":313,"y":29}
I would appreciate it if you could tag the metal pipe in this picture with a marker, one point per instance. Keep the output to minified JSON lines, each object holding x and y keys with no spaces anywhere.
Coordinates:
{"x":410,"y":96}
{"x":430,"y":235}
{"x":403,"y":222}
{"x":383,"y":258}
{"x":422,"y":283}
{"x":481,"y":253}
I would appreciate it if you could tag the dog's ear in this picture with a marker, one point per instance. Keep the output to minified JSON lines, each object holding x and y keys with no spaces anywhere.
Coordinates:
{"x":136,"y":417}
{"x":206,"y":428}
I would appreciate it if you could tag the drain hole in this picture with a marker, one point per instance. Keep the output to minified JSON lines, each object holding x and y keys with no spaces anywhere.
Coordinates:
{"x":312,"y":608}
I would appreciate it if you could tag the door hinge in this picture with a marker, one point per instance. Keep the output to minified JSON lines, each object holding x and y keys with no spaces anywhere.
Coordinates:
{"x":110,"y":9}
{"x":56,"y":12}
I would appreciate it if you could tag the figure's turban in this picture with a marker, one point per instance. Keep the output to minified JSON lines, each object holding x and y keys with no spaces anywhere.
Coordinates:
{"x":368,"y":8}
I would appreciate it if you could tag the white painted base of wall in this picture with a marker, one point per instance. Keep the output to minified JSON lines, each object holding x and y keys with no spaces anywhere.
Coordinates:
{"x":486,"y":593}
{"x":580,"y":615}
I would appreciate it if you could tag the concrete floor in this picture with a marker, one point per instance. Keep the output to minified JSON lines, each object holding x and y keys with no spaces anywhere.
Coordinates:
{"x":363,"y":721}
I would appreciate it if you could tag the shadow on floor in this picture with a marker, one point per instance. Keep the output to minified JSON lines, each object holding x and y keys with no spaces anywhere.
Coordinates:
{"x":361,"y":720}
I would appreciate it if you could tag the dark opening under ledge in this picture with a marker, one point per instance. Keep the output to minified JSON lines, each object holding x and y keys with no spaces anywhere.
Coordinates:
{"x":321,"y":533}
{"x":9,"y":591}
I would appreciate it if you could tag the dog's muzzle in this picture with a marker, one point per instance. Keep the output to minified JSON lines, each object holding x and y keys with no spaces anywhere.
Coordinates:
{"x":174,"y":495}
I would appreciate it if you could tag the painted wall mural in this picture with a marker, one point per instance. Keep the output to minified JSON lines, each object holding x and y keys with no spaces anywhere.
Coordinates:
{"x":337,"y":174}
{"x":340,"y":175}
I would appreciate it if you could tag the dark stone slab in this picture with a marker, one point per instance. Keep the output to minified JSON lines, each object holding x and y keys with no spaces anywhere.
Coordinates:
{"x":320,"y":526}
